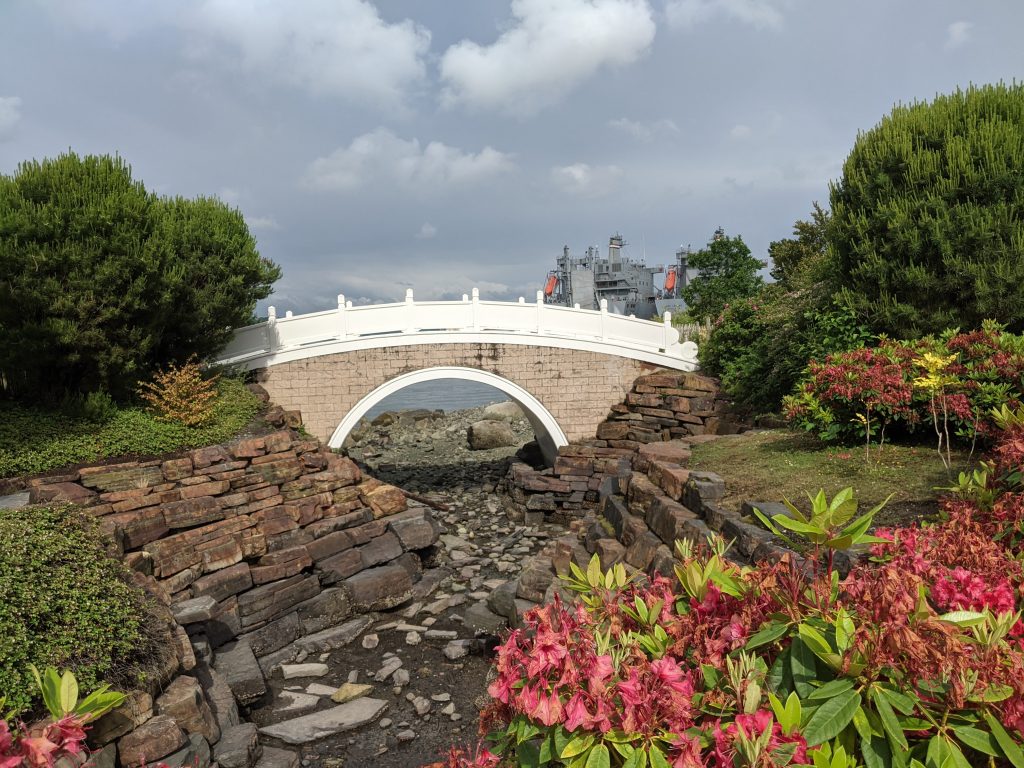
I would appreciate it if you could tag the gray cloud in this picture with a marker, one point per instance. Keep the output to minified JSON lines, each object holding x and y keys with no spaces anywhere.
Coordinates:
{"x":553,"y":47}
{"x":10,"y":115}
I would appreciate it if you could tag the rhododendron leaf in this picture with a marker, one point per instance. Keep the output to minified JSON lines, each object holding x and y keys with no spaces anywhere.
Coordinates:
{"x":803,"y":666}
{"x":831,"y":718}
{"x":528,"y":755}
{"x":657,"y":758}
{"x":796,"y":512}
{"x":842,"y":508}
{"x":814,"y":639}
{"x":547,"y":751}
{"x":978,"y":740}
{"x":862,"y":724}
{"x":832,"y":688}
{"x":876,"y":753}
{"x":594,"y":574}
{"x":768,"y":634}
{"x":813,"y":532}
{"x":559,"y":739}
{"x":769,"y":524}
{"x":68,"y":692}
{"x":780,"y":677}
{"x":964,"y":618}
{"x":899,"y":701}
{"x":727,"y":584}
{"x":577,"y":745}
{"x":1010,"y":749}
{"x":710,"y":675}
{"x":845,"y":630}
{"x":890,"y":722}
{"x":857,"y":528}
{"x":637,"y":760}
{"x":994,"y":692}
{"x":956,"y":757}
{"x":599,"y":757}
{"x":937,"y":754}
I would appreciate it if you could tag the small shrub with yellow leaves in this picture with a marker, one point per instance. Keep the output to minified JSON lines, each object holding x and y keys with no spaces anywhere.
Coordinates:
{"x":181,"y":394}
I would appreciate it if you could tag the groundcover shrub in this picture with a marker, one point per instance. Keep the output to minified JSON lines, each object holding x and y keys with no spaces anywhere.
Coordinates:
{"x":950,"y":385}
{"x":35,"y":440}
{"x":64,"y":602}
{"x":915,"y":659}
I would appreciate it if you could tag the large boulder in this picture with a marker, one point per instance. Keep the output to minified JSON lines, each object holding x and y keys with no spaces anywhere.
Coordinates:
{"x":486,"y":434}
{"x":507,"y":411}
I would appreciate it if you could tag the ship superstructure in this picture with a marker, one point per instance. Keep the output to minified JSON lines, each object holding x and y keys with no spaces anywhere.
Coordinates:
{"x":627,"y":284}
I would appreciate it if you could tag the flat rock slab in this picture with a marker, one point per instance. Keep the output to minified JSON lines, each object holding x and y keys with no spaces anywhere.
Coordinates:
{"x":14,"y":500}
{"x":237,"y":664}
{"x":289,"y":671}
{"x":350,"y":691}
{"x":320,"y":725}
{"x":278,"y":758}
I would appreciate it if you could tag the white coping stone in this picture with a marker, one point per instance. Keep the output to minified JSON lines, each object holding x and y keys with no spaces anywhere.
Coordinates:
{"x":319,"y":725}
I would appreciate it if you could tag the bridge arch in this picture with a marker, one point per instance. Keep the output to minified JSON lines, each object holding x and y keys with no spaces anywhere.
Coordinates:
{"x":550,"y":436}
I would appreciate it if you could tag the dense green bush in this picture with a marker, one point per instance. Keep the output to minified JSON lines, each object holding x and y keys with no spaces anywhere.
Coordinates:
{"x":950,"y":385}
{"x":928,"y":217}
{"x":64,"y":602}
{"x":35,"y":440}
{"x":726,"y":272}
{"x":104,"y":281}
{"x":760,"y":346}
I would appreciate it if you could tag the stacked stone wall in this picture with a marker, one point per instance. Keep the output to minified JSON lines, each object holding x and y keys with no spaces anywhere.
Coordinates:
{"x":659,"y":407}
{"x":258,"y":552}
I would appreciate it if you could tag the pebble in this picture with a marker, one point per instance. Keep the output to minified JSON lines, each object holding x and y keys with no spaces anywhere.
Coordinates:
{"x":413,"y":638}
{"x":390,"y":666}
{"x":441,"y":634}
{"x":441,"y":697}
{"x":457,"y":649}
{"x":370,"y":641}
{"x":400,"y":678}
{"x":406,"y":735}
{"x":385,"y":722}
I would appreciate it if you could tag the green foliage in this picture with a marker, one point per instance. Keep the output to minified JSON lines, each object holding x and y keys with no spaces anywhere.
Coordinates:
{"x":809,"y":242}
{"x":64,"y":602}
{"x":828,"y":524}
{"x":726,"y":272}
{"x":35,"y":440}
{"x":104,"y":281}
{"x":60,"y":695}
{"x":760,"y":347}
{"x":928,"y":217}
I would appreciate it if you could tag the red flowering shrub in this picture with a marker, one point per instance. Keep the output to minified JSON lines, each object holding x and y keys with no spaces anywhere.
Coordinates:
{"x":913,"y":660}
{"x":861,"y":392}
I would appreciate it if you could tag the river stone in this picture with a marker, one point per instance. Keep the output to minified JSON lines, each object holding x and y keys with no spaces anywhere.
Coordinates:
{"x":239,"y":747}
{"x":319,"y":725}
{"x":507,"y":411}
{"x":278,"y":758}
{"x":484,"y":435}
{"x":349,"y":691}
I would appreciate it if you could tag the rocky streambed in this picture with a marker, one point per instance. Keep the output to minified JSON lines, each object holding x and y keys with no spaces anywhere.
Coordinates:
{"x":426,"y":662}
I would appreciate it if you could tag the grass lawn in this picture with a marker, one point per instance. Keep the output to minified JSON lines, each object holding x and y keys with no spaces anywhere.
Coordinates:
{"x":770,"y":466}
{"x":36,"y":440}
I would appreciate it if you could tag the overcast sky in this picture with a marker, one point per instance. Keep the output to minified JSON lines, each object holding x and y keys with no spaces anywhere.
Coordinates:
{"x":374,"y":146}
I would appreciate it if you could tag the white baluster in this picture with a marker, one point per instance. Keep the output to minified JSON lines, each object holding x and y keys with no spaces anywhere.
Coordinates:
{"x":604,"y":319}
{"x":288,"y":314}
{"x":540,"y":311}
{"x":576,"y":305}
{"x":476,"y":309}
{"x":271,"y":329}
{"x":342,"y":322}
{"x":410,"y":312}
{"x":522,"y":300}
{"x":669,"y":330}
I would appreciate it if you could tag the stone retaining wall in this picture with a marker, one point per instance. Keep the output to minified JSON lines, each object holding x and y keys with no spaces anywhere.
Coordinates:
{"x":259,"y":552}
{"x":659,"y":407}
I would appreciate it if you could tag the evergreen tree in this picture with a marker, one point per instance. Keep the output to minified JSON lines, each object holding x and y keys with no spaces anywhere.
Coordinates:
{"x":928,"y":218}
{"x":809,"y":241}
{"x":726,"y":272}
{"x":103,"y":281}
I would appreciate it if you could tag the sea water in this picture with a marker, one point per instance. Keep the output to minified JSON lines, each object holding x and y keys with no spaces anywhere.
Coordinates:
{"x":440,"y":394}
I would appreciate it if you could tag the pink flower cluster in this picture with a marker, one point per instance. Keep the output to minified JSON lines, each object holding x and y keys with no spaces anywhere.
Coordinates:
{"x":40,"y":747}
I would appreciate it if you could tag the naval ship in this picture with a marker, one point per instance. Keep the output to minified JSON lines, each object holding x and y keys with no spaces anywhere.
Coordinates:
{"x":627,"y":284}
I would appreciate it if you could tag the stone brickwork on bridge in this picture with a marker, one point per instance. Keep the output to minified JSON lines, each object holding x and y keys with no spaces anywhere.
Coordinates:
{"x":577,"y":387}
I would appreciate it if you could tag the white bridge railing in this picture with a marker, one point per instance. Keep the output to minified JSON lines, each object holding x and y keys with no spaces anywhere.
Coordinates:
{"x":385,"y":324}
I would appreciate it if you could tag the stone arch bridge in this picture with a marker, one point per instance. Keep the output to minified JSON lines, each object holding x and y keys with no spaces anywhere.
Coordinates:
{"x":565,"y":367}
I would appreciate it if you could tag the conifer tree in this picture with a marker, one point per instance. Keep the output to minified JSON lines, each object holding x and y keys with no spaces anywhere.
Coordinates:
{"x":102,"y":282}
{"x":928,"y":217}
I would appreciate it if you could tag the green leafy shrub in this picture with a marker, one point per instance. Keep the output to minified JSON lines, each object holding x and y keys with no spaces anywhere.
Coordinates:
{"x":861,"y":393}
{"x":35,"y":440}
{"x":928,"y":217}
{"x":760,"y":347}
{"x":104,"y":281}
{"x":64,"y":602}
{"x":182,"y":394}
